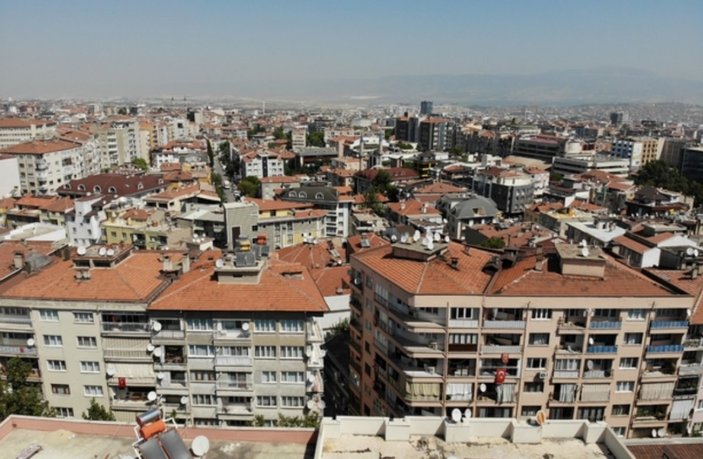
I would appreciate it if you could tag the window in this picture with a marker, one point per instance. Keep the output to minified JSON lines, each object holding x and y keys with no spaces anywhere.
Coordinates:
{"x":266,"y":400}
{"x":93,"y":391}
{"x":464,"y":313}
{"x":463,"y":338}
{"x":609,"y":313}
{"x":636,"y":314}
{"x":292,"y":377}
{"x":203,"y":399}
{"x":60,"y":389}
{"x":619,"y":431}
{"x":268,"y":376}
{"x":292,"y":402}
{"x":592,"y":414}
{"x":201,"y":350}
{"x":236,"y":351}
{"x":542,"y":314}
{"x":202,"y":376}
{"x":621,"y":410}
{"x":83,"y":317}
{"x":625,"y":386}
{"x":195,"y":324}
{"x":49,"y":315}
{"x":265,"y":352}
{"x":291,"y":352}
{"x":566,"y":365}
{"x":537,"y":362}
{"x":534,"y":386}
{"x":539,"y":339}
{"x":90,"y":367}
{"x":633,"y":338}
{"x":628,"y":362}
{"x":62,"y":412}
{"x":265,"y":326}
{"x":56,"y":365}
{"x":87,"y":342}
{"x":292,"y":326}
{"x":530,"y":410}
{"x":53,"y":341}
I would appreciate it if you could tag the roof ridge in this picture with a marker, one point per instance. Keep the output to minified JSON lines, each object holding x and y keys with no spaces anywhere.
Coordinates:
{"x":195,"y":279}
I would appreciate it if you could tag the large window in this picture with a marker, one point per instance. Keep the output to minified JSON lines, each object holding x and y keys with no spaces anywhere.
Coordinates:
{"x":628,"y":362}
{"x":539,"y":339}
{"x":60,"y":389}
{"x":268,"y":376}
{"x":197,"y":324}
{"x":49,"y":315}
{"x":266,"y":400}
{"x":203,"y":399}
{"x":83,"y":317}
{"x":292,"y":402}
{"x":265,"y":326}
{"x":539,"y":363}
{"x":90,"y":367}
{"x":292,"y":326}
{"x":291,"y":352}
{"x":89,"y":342}
{"x":201,"y":350}
{"x":93,"y":391}
{"x":292,"y":377}
{"x":265,"y":352}
{"x":56,"y":365}
{"x":542,"y":314}
{"x":53,"y":341}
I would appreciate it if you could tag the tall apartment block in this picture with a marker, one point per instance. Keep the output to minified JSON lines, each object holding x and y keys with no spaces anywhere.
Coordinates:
{"x":211,"y":338}
{"x":570,"y":331}
{"x":20,"y":130}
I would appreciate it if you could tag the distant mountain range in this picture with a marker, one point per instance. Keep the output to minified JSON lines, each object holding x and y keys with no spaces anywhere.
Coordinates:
{"x":569,"y":87}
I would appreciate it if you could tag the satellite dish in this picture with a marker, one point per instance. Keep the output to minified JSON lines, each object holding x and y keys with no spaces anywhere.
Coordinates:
{"x":184,"y":400}
{"x":308,"y":352}
{"x":81,"y":250}
{"x":151,"y":396}
{"x":311,"y":378}
{"x":322,"y":404}
{"x":482,"y":387}
{"x":688,"y":313}
{"x":219,"y":263}
{"x":310,"y":404}
{"x":583,"y":243}
{"x":200,"y":445}
{"x":425,"y":241}
{"x":160,"y":375}
{"x":590,"y":341}
{"x":102,"y":252}
{"x":589,"y":364}
{"x":30,"y":342}
{"x":111,"y":371}
{"x":430,"y":244}
{"x":467,"y":413}
{"x":437,"y":237}
{"x":110,"y":252}
{"x":446,"y":239}
{"x":654,"y":433}
{"x":150,"y":347}
{"x":394,"y":238}
{"x":689,"y":251}
{"x":156,"y":326}
{"x":157,"y":352}
{"x":404,"y":239}
{"x":695,"y":253}
{"x":456,"y":415}
{"x":661,"y":432}
{"x":584,"y":252}
{"x":245,"y":326}
{"x":416,"y":235}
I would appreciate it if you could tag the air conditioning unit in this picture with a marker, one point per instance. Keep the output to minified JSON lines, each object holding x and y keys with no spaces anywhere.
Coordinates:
{"x":542,"y":375}
{"x":434,"y":345}
{"x":430,"y":370}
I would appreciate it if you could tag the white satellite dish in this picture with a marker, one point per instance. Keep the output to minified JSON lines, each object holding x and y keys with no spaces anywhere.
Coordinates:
{"x":437,"y":237}
{"x":661,"y":432}
{"x":695,"y":253}
{"x":308,"y":352}
{"x":425,"y":241}
{"x":102,"y":252}
{"x":81,"y":250}
{"x":482,"y":387}
{"x":584,"y":252}
{"x":30,"y":342}
{"x":446,"y":239}
{"x":200,"y":445}
{"x":416,"y":235}
{"x":311,"y":378}
{"x":160,"y":375}
{"x":184,"y":400}
{"x":394,"y":238}
{"x":467,"y":413}
{"x":689,"y":251}
{"x":456,"y":415}
{"x":404,"y":239}
{"x":245,"y":326}
{"x":654,"y":433}
{"x":322,"y":404}
{"x":430,"y":244}
{"x":150,"y":347}
{"x":310,"y":404}
{"x":151,"y":396}
{"x":110,"y":252}
{"x":157,"y":352}
{"x":219,"y":263}
{"x":111,"y":371}
{"x":591,"y":341}
{"x":156,"y":326}
{"x":583,"y":243}
{"x":589,"y":364}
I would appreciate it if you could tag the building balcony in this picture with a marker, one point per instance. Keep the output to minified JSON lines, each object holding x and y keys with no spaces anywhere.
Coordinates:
{"x":693,"y":344}
{"x":602,"y":349}
{"x":15,"y":320}
{"x":131,"y":402}
{"x":233,"y":361}
{"x":669,"y":324}
{"x":648,"y":421}
{"x":168,"y":335}
{"x":463,"y":323}
{"x":565,"y":374}
{"x":565,"y":328}
{"x":314,"y":333}
{"x":17,"y":350}
{"x":691,"y":369}
{"x":132,"y":329}
{"x":232,"y":335}
{"x":606,"y":325}
{"x":234,"y":409}
{"x":665,"y":349}
{"x":597,"y":374}
{"x":118,"y":355}
{"x":504,"y":324}
{"x":235,"y":386}
{"x":499,"y":349}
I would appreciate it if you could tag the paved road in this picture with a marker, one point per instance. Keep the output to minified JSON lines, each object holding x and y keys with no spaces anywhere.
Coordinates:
{"x":228,"y":193}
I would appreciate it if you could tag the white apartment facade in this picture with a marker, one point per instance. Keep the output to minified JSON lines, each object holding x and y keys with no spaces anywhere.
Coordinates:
{"x":18,"y":130}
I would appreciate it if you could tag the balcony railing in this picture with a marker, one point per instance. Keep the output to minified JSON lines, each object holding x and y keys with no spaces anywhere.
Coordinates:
{"x":693,"y":343}
{"x":665,"y":348}
{"x":17,"y":350}
{"x":566,"y":373}
{"x":170,"y":334}
{"x":602,"y":349}
{"x":233,"y":360}
{"x":512,"y":324}
{"x":463,"y":323}
{"x":669,"y":324}
{"x":597,"y":374}
{"x":497,"y":349}
{"x":606,"y":324}
{"x":125,"y":327}
{"x":15,"y":319}
{"x":235,"y":385}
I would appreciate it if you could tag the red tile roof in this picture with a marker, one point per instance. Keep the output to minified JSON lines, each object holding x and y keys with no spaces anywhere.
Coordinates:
{"x":270,"y":204}
{"x":40,"y":147}
{"x":23,"y":122}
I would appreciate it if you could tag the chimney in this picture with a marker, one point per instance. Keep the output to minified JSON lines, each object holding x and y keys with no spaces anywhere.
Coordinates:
{"x":18,"y":260}
{"x":168,"y":264}
{"x":454,"y":262}
{"x":185,"y":263}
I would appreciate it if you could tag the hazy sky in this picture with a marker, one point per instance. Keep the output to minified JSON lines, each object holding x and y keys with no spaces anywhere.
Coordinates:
{"x":150,"y":47}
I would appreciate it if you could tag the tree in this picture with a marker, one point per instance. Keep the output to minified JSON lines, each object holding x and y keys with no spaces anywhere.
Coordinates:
{"x":308,"y":420}
{"x":216,"y":180}
{"x":316,"y":139}
{"x":372,"y":202}
{"x":97,"y":412}
{"x":258,"y":421}
{"x":141,"y":164}
{"x":404,"y":146}
{"x":210,"y":154}
{"x":279,"y":133}
{"x":660,"y":174}
{"x":493,"y":242}
{"x":249,"y":186}
{"x":18,"y":396}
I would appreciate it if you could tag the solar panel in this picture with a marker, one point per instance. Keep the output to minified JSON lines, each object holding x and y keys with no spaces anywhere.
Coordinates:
{"x":174,"y":446}
{"x":151,"y":449}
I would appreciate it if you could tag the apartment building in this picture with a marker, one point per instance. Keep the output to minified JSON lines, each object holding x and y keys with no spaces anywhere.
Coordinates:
{"x":436,"y":134}
{"x":46,"y":165}
{"x":638,"y":150}
{"x":511,"y":189}
{"x":14,"y":131}
{"x":335,"y":201}
{"x":439,"y":326}
{"x":262,"y":164}
{"x":217,"y":344}
{"x":119,"y":141}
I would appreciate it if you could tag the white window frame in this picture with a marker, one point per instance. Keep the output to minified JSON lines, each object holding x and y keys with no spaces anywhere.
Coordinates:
{"x":79,"y":317}
{"x":90,"y":366}
{"x":58,"y":366}
{"x":93,"y":391}
{"x":53,"y":341}
{"x":264,"y":326}
{"x":92,"y":342}
{"x":49,"y":315}
{"x":265,"y":352}
{"x":292,"y":352}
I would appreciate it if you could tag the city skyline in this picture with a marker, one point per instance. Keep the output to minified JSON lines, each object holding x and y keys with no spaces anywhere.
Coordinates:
{"x":316,"y":50}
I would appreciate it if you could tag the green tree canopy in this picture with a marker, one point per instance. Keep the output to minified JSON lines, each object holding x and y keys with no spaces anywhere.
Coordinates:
{"x":279,"y":133}
{"x":660,"y":174}
{"x":493,"y":242}
{"x":316,"y":139}
{"x":249,"y":186}
{"x":210,"y":154}
{"x":97,"y":412}
{"x":18,"y":396}
{"x":141,"y":164}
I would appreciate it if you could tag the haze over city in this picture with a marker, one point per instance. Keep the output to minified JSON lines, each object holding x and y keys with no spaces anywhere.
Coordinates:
{"x":469,"y":52}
